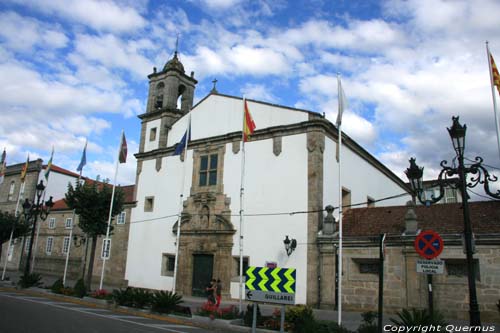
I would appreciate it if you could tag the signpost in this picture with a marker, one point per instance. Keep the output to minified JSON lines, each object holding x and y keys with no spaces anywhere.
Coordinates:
{"x":429,"y":245}
{"x":270,"y":285}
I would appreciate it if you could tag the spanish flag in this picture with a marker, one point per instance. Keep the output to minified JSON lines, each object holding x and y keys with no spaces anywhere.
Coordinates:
{"x":248,"y":124}
{"x":49,"y":165}
{"x":25,"y":169}
{"x":495,"y":76}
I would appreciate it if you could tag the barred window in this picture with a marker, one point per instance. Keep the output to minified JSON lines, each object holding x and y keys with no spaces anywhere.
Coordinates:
{"x":65,"y":248}
{"x":48,"y":246}
{"x":106,"y":248}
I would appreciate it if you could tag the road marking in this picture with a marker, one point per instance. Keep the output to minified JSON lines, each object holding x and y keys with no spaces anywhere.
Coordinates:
{"x":127,"y":316}
{"x":87,"y":311}
{"x":172,"y":326}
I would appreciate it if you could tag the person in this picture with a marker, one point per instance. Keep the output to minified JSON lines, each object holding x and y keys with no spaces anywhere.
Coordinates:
{"x":210,"y":290}
{"x":218,"y":292}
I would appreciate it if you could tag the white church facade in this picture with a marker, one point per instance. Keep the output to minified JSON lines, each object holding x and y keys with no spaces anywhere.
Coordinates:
{"x":290,"y":175}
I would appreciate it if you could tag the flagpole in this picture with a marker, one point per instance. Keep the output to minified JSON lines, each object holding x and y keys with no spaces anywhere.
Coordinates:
{"x":242,"y":184}
{"x":339,"y":128}
{"x":493,"y":96}
{"x":73,"y":219}
{"x":181,"y":202}
{"x":105,"y":257}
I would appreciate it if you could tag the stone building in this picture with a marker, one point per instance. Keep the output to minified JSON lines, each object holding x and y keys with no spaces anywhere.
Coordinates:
{"x":13,"y":193}
{"x":54,"y":242}
{"x":290,"y":167}
{"x":403,"y":286}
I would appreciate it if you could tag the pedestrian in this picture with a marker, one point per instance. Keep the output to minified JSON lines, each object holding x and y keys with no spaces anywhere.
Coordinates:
{"x":210,"y":291}
{"x":218,"y":292}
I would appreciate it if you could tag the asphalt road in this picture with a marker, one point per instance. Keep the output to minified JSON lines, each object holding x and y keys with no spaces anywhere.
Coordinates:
{"x":25,"y":313}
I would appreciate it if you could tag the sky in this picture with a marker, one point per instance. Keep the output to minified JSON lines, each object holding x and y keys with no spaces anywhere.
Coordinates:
{"x":77,"y":70}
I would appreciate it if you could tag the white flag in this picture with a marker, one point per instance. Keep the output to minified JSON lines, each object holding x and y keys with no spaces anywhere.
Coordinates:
{"x":342,"y":107}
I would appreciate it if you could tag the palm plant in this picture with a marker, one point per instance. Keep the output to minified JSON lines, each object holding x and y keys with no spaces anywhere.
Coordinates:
{"x":415,"y":317}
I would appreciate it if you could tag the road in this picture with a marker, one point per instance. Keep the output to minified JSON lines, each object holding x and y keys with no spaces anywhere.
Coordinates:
{"x":25,"y":313}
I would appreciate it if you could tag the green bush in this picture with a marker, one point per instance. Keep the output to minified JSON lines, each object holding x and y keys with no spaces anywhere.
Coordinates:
{"x":57,"y":286}
{"x":327,"y":326}
{"x":123,"y":297}
{"x":141,"y":298}
{"x":301,"y":319}
{"x":79,"y":290}
{"x":165,"y":301}
{"x":30,"y":280}
{"x":415,"y":317}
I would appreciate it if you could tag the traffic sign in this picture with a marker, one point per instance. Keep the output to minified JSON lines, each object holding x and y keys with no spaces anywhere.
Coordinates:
{"x":430,"y":266}
{"x":272,"y":285}
{"x":429,"y":244}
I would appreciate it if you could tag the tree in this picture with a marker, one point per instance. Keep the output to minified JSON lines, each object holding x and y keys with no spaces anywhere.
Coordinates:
{"x":91,"y":202}
{"x":7,"y":221}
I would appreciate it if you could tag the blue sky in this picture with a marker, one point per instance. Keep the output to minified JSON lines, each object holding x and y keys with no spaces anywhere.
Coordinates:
{"x":71,"y":70}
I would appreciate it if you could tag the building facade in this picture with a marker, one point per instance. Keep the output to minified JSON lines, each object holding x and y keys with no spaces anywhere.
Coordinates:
{"x":403,"y":286}
{"x":290,"y":175}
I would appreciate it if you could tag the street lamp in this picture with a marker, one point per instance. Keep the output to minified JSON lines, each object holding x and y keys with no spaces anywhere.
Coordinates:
{"x":31,"y":212}
{"x":457,"y":178}
{"x":290,"y":245}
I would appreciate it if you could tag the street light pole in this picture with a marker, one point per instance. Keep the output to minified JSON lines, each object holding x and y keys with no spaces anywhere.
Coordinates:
{"x":32,"y":211}
{"x":448,"y":177}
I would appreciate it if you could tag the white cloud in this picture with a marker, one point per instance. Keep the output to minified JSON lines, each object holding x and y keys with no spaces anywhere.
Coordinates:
{"x":259,"y":92}
{"x":100,"y":15}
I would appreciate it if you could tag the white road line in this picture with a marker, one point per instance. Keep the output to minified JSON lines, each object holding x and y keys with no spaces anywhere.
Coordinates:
{"x":172,"y":326}
{"x":95,"y":314}
{"x":127,"y":316}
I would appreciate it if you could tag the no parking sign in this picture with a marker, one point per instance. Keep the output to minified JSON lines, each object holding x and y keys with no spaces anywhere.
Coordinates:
{"x":429,"y":244}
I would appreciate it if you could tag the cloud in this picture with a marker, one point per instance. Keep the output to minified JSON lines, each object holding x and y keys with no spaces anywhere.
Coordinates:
{"x":99,"y":15}
{"x":259,"y":92}
{"x":23,"y":33}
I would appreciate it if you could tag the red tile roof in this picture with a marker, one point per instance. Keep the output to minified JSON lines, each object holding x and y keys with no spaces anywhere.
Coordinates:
{"x":55,"y":168}
{"x":128,"y":191}
{"x":442,"y":218}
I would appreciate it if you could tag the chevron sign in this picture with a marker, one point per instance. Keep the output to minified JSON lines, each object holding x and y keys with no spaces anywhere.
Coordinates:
{"x":272,"y":285}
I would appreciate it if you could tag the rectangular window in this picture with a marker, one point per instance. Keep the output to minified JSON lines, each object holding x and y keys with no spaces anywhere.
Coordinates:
{"x":168,"y":264}
{"x":149,"y":204}
{"x":48,"y":246}
{"x":450,"y":195}
{"x":236,"y":265}
{"x":152,"y":134}
{"x":121,"y":218}
{"x":65,"y":245}
{"x":458,"y":268}
{"x":106,"y":248}
{"x":368,"y":265}
{"x":208,"y":170}
{"x":52,"y":223}
{"x":11,"y":190}
{"x":346,"y":199}
{"x":69,"y":223}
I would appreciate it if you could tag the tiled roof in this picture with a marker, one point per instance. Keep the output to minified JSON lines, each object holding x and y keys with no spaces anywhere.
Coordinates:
{"x":442,"y":218}
{"x":55,"y":168}
{"x":127,"y":190}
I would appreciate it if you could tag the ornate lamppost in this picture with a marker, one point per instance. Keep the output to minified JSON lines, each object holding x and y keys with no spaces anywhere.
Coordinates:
{"x":31,"y":211}
{"x":456,"y":177}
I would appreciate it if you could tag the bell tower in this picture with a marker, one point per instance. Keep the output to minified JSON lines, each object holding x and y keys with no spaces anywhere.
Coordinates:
{"x":171,"y":94}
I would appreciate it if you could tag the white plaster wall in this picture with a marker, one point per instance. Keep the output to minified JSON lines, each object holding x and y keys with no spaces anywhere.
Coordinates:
{"x":273,"y":184}
{"x":57,"y":185}
{"x":360,"y":177}
{"x":152,"y":145}
{"x":151,"y":232}
{"x":227,"y":114}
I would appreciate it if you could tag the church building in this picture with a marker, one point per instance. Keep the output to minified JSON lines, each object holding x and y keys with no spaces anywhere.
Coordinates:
{"x":290,"y":176}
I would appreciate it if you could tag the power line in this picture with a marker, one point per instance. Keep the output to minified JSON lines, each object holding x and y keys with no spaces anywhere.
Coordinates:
{"x":273,"y":214}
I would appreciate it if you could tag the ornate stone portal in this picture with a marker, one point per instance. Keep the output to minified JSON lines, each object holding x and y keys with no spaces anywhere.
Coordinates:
{"x":206,"y":233}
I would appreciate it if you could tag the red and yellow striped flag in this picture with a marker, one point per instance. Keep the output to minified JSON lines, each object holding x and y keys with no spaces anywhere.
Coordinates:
{"x":494,"y":74}
{"x":25,"y":169}
{"x":248,"y":124}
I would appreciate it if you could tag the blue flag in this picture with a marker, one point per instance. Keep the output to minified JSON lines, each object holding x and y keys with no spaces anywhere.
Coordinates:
{"x":83,"y":161}
{"x":182,"y":144}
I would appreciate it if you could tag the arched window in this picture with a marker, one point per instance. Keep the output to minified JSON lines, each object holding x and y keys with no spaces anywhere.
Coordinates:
{"x":180,"y":91}
{"x":160,"y":87}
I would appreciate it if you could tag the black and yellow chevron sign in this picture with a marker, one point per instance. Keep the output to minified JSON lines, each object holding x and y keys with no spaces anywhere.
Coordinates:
{"x":278,"y":280}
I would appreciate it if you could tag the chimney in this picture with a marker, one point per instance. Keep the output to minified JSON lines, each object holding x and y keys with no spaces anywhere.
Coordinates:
{"x":411,"y":224}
